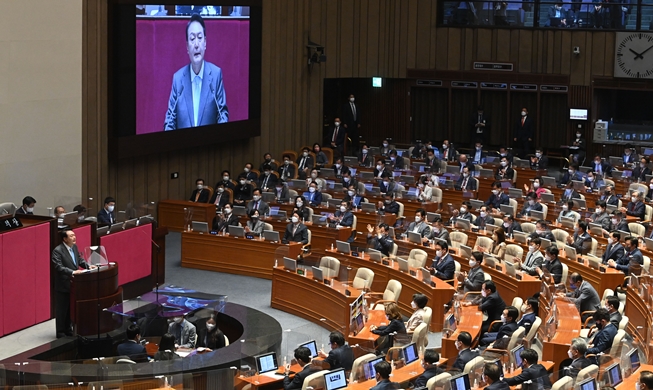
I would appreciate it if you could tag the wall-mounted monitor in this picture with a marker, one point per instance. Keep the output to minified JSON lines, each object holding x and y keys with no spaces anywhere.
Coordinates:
{"x":578,"y":114}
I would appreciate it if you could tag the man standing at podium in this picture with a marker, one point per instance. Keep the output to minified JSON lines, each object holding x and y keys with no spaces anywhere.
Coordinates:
{"x":68,"y":261}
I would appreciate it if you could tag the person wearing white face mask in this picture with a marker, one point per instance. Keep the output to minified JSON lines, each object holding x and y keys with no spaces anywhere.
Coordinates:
{"x":301,"y":207}
{"x":502,"y":336}
{"x":378,"y":238}
{"x":337,"y":137}
{"x":504,"y":170}
{"x":388,"y":205}
{"x":342,"y":217}
{"x":211,"y":337}
{"x":221,"y":222}
{"x":397,"y":162}
{"x":593,"y":182}
{"x":466,"y":182}
{"x":645,"y":381}
{"x":539,"y":161}
{"x":243,"y":191}
{"x":448,"y":151}
{"x":443,"y":266}
{"x":296,"y":231}
{"x":636,"y":206}
{"x":425,"y":192}
{"x":226,"y":180}
{"x":614,"y":251}
{"x":418,"y":304}
{"x":473,"y":280}
{"x":200,"y":194}
{"x":286,"y":170}
{"x":534,"y":258}
{"x":576,"y":353}
{"x":531,"y":204}
{"x":498,"y":197}
{"x":219,"y":198}
{"x":484,"y":218}
{"x":530,"y":309}
{"x":490,"y":303}
{"x":353,"y":197}
{"x":250,"y":176}
{"x":305,"y":163}
{"x":577,"y":148}
{"x":430,"y":366}
{"x":601,"y":215}
{"x":386,"y":148}
{"x":568,"y":212}
{"x":552,"y":264}
{"x":313,"y":196}
{"x":420,"y":226}
{"x":523,"y":133}
{"x":492,"y":374}
{"x":185,"y":333}
{"x":106,"y":216}
{"x":257,"y":203}
{"x":365,"y":159}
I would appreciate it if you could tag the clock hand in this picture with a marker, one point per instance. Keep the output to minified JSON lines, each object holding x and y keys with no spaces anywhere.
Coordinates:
{"x":642,"y":53}
{"x":637,"y":55}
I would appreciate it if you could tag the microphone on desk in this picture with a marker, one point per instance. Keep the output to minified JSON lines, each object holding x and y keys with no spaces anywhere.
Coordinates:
{"x":174,"y":105}
{"x":217,"y":106}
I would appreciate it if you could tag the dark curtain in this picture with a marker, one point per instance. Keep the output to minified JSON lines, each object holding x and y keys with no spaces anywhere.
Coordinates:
{"x":430,"y":112}
{"x":494,"y":104}
{"x":554,"y":116}
{"x":464,"y":103}
{"x":519,"y":100}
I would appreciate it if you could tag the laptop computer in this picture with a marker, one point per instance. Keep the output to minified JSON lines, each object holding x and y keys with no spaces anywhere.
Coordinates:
{"x":317,"y":273}
{"x":312,"y":346}
{"x":266,"y":363}
{"x":476,"y":204}
{"x":343,"y":247}
{"x":271,"y":235}
{"x":69,"y":219}
{"x":335,"y":203}
{"x":587,"y":384}
{"x":489,"y":260}
{"x":616,"y":161}
{"x":507,"y":209}
{"x":200,"y":226}
{"x":545,"y":243}
{"x":368,"y":207}
{"x":465,"y":251}
{"x":335,"y":380}
{"x":486,"y":173}
{"x":407,"y":179}
{"x":366,"y":175}
{"x":567,"y":222}
{"x":102,"y":231}
{"x":460,"y":382}
{"x":319,"y":220}
{"x":351,"y":160}
{"x":534,"y":214}
{"x":290,"y":264}
{"x":453,"y":169}
{"x":594,"y":262}
{"x":403,"y":264}
{"x":547,"y":198}
{"x":375,"y":255}
{"x":414,"y":237}
{"x":462,"y":224}
{"x":571,"y":253}
{"x":426,"y":275}
{"x":614,"y":375}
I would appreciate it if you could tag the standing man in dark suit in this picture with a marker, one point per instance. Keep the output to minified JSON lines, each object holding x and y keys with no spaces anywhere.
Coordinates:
{"x":27,"y":207}
{"x":132,"y":348}
{"x":68,"y":262}
{"x":341,"y":355}
{"x":480,"y":126}
{"x":532,"y":372}
{"x":106,"y":216}
{"x":337,"y":137}
{"x":524,"y":133}
{"x":295,"y":231}
{"x":443,"y":266}
{"x":463,"y":344}
{"x":303,"y":357}
{"x":200,"y":194}
{"x":352,"y":122}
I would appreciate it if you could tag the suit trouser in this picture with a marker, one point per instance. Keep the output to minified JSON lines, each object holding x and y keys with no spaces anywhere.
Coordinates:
{"x":62,"y":312}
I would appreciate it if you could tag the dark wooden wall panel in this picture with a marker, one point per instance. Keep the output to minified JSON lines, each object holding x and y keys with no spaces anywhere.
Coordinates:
{"x":363,"y":38}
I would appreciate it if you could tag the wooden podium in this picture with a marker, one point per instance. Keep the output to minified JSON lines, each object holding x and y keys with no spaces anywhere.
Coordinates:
{"x":84,"y":292}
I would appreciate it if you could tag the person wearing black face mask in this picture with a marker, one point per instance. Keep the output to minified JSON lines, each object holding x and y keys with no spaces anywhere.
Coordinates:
{"x":388,"y":206}
{"x":607,"y":332}
{"x":552,"y":264}
{"x":631,"y":254}
{"x":254,"y":225}
{"x":609,"y":196}
{"x":267,"y":160}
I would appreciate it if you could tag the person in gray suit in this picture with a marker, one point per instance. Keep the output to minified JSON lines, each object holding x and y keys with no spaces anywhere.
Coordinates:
{"x":473,"y":281}
{"x":68,"y":262}
{"x":184,"y":332}
{"x":583,"y":295}
{"x":601,"y":215}
{"x":534,"y":258}
{"x":197,"y":97}
{"x":420,"y":226}
{"x":257,"y":203}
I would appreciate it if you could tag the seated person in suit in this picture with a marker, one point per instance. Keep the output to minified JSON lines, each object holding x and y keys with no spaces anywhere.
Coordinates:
{"x":200,"y":194}
{"x":531,"y":371}
{"x":303,"y":358}
{"x":491,"y":304}
{"x":583,"y":295}
{"x":631,"y":254}
{"x":267,"y":180}
{"x":557,"y":15}
{"x":602,"y":342}
{"x":343,"y":217}
{"x":478,"y":155}
{"x":430,"y":366}
{"x":389,"y":205}
{"x":531,"y":204}
{"x":448,"y":151}
{"x":420,"y":226}
{"x":432,"y":162}
{"x":649,"y":193}
{"x":601,"y":167}
{"x":572,"y":174}
{"x":492,"y":377}
{"x":498,"y":197}
{"x":463,"y":344}
{"x":243,"y":192}
{"x":439,"y":232}
{"x":301,"y":207}
{"x":614,"y":251}
{"x":636,"y":206}
{"x":609,"y":197}
{"x":221,"y":222}
{"x":383,"y":370}
{"x":281,"y":193}
{"x":536,"y":186}
{"x":418,"y":304}
{"x":619,"y":222}
{"x":296,"y":231}
{"x":504,"y":152}
{"x":28,"y":207}
{"x":211,"y":337}
{"x":581,"y":241}
{"x":396,"y":162}
{"x":268,"y":160}
{"x":505,"y":171}
{"x":321,"y":159}
{"x":569,"y":193}
{"x":220,"y":197}
{"x":395,"y":325}
{"x":552,"y":264}
{"x":380,"y":241}
{"x":254,"y":225}
{"x":484,"y":218}
{"x":443,"y":266}
{"x":568,"y":212}
{"x":542,"y":230}
{"x":353,"y":197}
{"x":388,"y":186}
{"x":257,"y":203}
{"x":593,"y":182}
{"x":612,"y":304}
{"x":646,"y":377}
{"x":286,"y":171}
{"x":132,"y":348}
{"x":510,"y":225}
{"x":534,"y":258}
{"x":339,"y":168}
{"x":463,"y":162}
{"x":315,"y":176}
{"x":249,"y":175}
{"x":463,"y":213}
{"x":530,"y":310}
{"x":348,"y":180}
{"x":630,"y":157}
{"x":473,"y":280}
{"x":227,"y":183}
{"x":304,"y":163}
{"x":466,"y":182}
{"x":576,"y":353}
{"x":341,"y":355}
{"x":106,"y":216}
{"x":500,"y":338}
{"x":385,"y":148}
{"x":640,"y":172}
{"x":381,"y":171}
{"x":184,"y":332}
{"x":601,"y":215}
{"x":314,"y":197}
{"x":364,"y":157}
{"x":167,"y":349}
{"x":539,"y":161}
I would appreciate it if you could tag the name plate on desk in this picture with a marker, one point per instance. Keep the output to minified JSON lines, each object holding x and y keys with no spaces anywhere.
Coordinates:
{"x":385,"y":262}
{"x":602,"y":269}
{"x":498,"y":268}
{"x":249,"y":236}
{"x":518,"y":276}
{"x":432,"y":283}
{"x":347,"y":293}
{"x":301,"y":272}
{"x":579,"y":260}
{"x":412,"y":273}
{"x":355,"y":254}
{"x":10,"y":223}
{"x":327,"y":282}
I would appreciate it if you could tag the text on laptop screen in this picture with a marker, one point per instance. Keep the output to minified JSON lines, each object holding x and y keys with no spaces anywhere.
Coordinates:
{"x":266,"y":363}
{"x":312,"y":346}
{"x":370,"y":372}
{"x":335,"y":380}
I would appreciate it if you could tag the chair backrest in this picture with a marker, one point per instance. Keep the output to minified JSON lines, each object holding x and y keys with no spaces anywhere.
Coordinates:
{"x":514,"y":176}
{"x":474,"y":364}
{"x":353,"y":224}
{"x":330,"y":266}
{"x":326,"y":196}
{"x":315,"y":380}
{"x":400,"y":213}
{"x":528,"y":227}
{"x":428,"y":313}
{"x":513,"y":251}
{"x":292,"y":193}
{"x":361,"y":188}
{"x":487,"y":276}
{"x":516,"y":338}
{"x":291,"y":153}
{"x":417,"y":258}
{"x":587,"y":372}
{"x":436,"y":195}
{"x":623,"y":323}
{"x":545,"y":210}
{"x":268,"y":226}
{"x":636,"y":229}
{"x":356,"y":367}
{"x":560,"y":235}
{"x":565,"y":274}
{"x":638,"y":187}
{"x":517,"y":302}
{"x":484,"y":242}
{"x":395,"y":247}
{"x":363,"y":279}
{"x":456,"y":265}
{"x":616,"y":343}
{"x":647,"y":263}
{"x":329,"y":154}
{"x":458,"y":239}
{"x":534,"y":328}
{"x":226,"y":341}
{"x":607,"y":293}
{"x":310,"y":235}
{"x":564,"y":383}
{"x":648,"y":214}
{"x":420,"y":336}
{"x":595,"y":245}
{"x":513,"y":204}
{"x":439,"y":381}
{"x":392,"y":290}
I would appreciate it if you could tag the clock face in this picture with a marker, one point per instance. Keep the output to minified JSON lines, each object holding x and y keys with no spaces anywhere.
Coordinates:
{"x":634,"y":55}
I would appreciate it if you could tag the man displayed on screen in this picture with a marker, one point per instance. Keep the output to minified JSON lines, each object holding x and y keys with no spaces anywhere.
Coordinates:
{"x":197,"y":97}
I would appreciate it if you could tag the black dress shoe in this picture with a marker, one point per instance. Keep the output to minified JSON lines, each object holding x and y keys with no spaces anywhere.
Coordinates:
{"x":60,"y":335}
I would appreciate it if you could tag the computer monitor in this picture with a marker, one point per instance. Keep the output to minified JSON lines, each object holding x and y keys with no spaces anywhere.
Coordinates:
{"x":415,"y":237}
{"x":360,"y":322}
{"x":266,"y":362}
{"x":451,"y":322}
{"x":403,"y":264}
{"x":200,"y":226}
{"x":368,"y":207}
{"x":614,"y":374}
{"x":547,"y":198}
{"x":239,"y":210}
{"x":465,"y":251}
{"x":430,"y":216}
{"x":290,"y":264}
{"x":463,"y":224}
{"x":571,"y":253}
{"x":426,"y":275}
{"x":515,"y":193}
{"x":410,"y":353}
{"x":516,"y":355}
{"x":545,"y":243}
{"x":317,"y":273}
{"x":633,"y":356}
{"x":343,"y":247}
{"x":336,"y":379}
{"x":537,"y":215}
{"x":368,"y":367}
{"x":588,"y":384}
{"x":312,"y":346}
{"x":507,"y":209}
{"x":510,"y":268}
{"x":460,"y":382}
{"x":319,"y":220}
{"x":101,"y":231}
{"x":271,"y":235}
{"x":520,"y":237}
{"x":70,"y":218}
{"x":375,"y":255}
{"x":116,"y":227}
{"x":236,"y":231}
{"x":579,"y":203}
{"x":327,"y":172}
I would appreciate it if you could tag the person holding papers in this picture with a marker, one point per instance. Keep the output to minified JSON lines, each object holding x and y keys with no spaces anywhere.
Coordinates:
{"x":68,"y":262}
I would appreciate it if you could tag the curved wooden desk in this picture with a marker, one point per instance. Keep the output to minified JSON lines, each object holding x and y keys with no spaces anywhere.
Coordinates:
{"x":640,"y":316}
{"x":567,"y":328}
{"x":471,"y":320}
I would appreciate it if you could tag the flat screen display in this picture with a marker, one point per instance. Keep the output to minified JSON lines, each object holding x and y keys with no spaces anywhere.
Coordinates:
{"x":634,"y":360}
{"x":578,"y":114}
{"x":410,"y":353}
{"x":335,"y":380}
{"x":312,"y":346}
{"x":266,"y":363}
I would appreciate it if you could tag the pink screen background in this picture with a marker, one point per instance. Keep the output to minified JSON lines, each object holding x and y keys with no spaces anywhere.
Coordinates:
{"x":161,"y":51}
